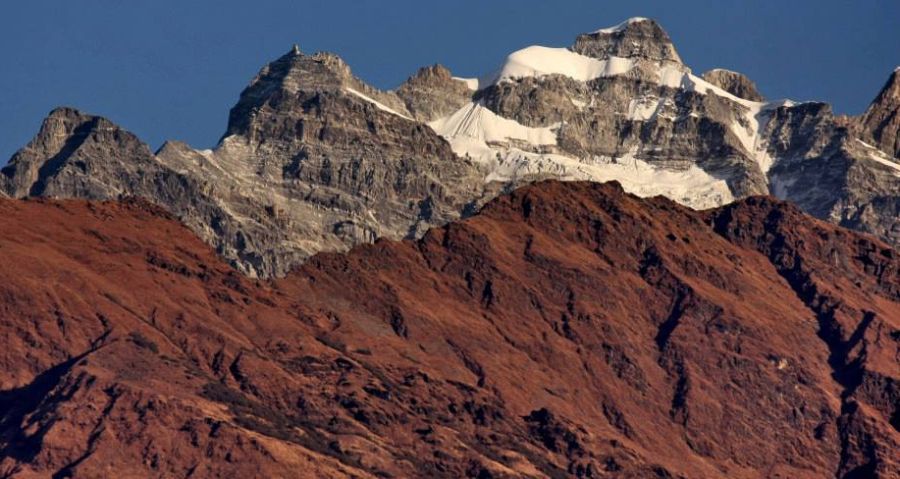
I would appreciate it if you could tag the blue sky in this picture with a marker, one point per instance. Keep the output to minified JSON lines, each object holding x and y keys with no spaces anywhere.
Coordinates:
{"x":172,"y":69}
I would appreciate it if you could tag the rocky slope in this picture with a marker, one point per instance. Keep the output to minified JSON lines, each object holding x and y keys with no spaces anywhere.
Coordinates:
{"x":567,"y":330}
{"x":313,"y":159}
{"x":316,"y":160}
{"x":880,"y":124}
{"x":734,"y":83}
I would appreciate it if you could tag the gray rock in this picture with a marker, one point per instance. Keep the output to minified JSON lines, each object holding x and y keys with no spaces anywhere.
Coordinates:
{"x":880,"y":124}
{"x":831,"y":174}
{"x":735,"y":83}
{"x":72,"y":156}
{"x":342,"y":168}
{"x":634,"y":38}
{"x":75,"y":155}
{"x":433,"y":93}
{"x":306,"y":166}
{"x":313,"y":159}
{"x":634,"y":114}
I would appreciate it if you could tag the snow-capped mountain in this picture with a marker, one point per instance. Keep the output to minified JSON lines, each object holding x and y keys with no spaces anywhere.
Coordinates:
{"x":316,"y":160}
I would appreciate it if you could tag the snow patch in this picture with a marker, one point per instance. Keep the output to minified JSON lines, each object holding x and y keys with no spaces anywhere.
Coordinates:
{"x":471,"y":83}
{"x":723,"y":70}
{"x":481,"y":135}
{"x":694,"y":83}
{"x":478,"y":123}
{"x":377,"y":104}
{"x":879,"y":156}
{"x":538,"y":61}
{"x":748,"y":132}
{"x":643,"y":108}
{"x":779,"y":103}
{"x":691,"y":187}
{"x":750,"y":120}
{"x":622,"y":26}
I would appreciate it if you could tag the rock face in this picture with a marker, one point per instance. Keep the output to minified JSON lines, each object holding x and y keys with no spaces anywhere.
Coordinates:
{"x":634,"y":38}
{"x":831,"y":173}
{"x":78,"y":155}
{"x":567,"y":330}
{"x":735,"y":83}
{"x":880,"y":124}
{"x":314,"y":159}
{"x":433,"y":93}
{"x":336,"y":161}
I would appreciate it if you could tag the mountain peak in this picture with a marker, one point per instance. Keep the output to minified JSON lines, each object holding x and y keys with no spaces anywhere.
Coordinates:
{"x":880,"y":124}
{"x":622,"y":26}
{"x":73,"y":151}
{"x":63,"y":128}
{"x":735,"y":83}
{"x":894,"y":80}
{"x":636,"y":37}
{"x":432,"y":92}
{"x":289,"y":74}
{"x":65,"y":112}
{"x":436,"y":71}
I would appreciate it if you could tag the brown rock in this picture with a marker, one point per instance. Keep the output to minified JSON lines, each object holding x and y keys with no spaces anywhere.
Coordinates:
{"x":568,"y":330}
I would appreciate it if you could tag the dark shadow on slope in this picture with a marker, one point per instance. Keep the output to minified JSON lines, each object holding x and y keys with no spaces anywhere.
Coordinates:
{"x":53,"y":165}
{"x":21,"y":408}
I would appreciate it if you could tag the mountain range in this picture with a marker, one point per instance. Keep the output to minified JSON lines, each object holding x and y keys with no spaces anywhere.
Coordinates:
{"x":589,"y":263}
{"x":315,"y":160}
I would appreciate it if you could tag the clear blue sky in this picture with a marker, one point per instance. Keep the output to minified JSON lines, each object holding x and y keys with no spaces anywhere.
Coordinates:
{"x":172,"y":69}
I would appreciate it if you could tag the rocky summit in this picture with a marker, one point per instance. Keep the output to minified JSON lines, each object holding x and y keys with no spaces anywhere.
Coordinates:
{"x":315,"y":160}
{"x":566,"y":330}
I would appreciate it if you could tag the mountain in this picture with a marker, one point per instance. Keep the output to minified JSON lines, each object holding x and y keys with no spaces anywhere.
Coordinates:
{"x":314,"y":159}
{"x":880,"y":124}
{"x":310,"y":161}
{"x":566,"y":330}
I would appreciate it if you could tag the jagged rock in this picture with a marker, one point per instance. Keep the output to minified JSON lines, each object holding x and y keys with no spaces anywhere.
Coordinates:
{"x":314,"y":159}
{"x":880,"y":124}
{"x":830,"y":173}
{"x":80,"y":156}
{"x":629,"y":119}
{"x":341,"y":162}
{"x":76,"y":155}
{"x":433,"y":93}
{"x":735,"y":83}
{"x":636,"y":37}
{"x":298,"y":74}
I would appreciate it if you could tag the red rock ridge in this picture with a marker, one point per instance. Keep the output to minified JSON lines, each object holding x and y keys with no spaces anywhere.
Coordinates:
{"x":568,"y":330}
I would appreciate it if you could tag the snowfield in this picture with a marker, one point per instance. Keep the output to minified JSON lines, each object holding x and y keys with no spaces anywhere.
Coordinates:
{"x":511,"y":150}
{"x":538,"y":61}
{"x":479,"y":123}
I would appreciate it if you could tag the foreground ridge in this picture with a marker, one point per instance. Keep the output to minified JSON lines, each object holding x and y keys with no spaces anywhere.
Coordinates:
{"x":567,"y":330}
